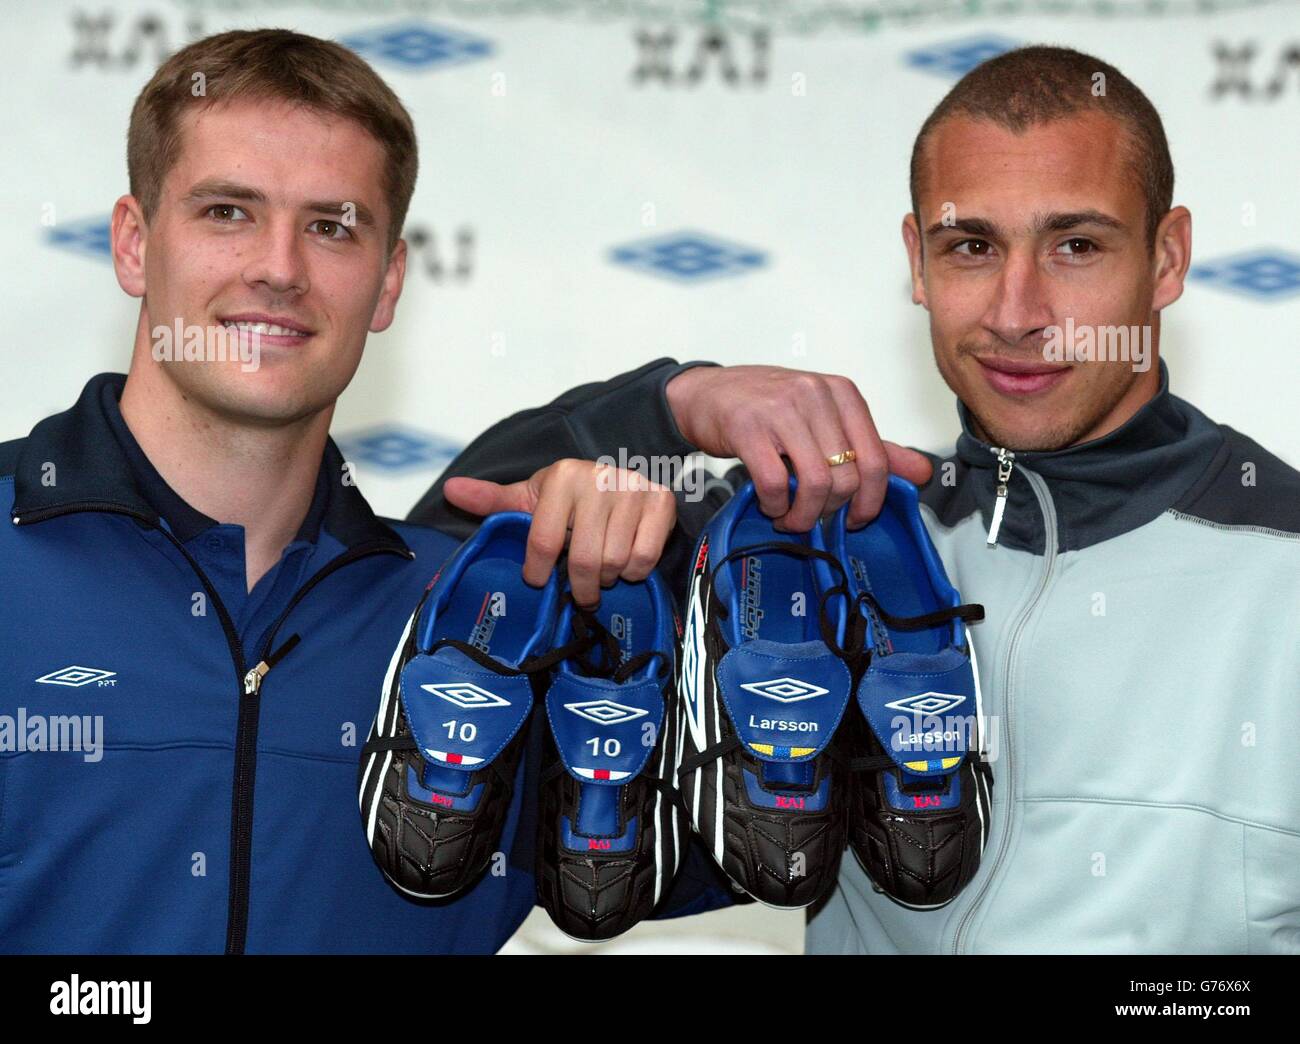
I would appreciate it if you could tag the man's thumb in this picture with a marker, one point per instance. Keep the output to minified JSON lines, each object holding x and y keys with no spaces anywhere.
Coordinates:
{"x":913,"y":466}
{"x":481,"y":497}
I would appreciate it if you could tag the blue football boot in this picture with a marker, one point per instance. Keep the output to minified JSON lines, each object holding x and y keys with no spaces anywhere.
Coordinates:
{"x":611,"y":830}
{"x":438,"y":770}
{"x":765,"y":681}
{"x":920,"y":798}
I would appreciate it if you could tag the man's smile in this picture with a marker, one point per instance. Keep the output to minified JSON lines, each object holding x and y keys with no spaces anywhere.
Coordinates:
{"x":1020,"y":377}
{"x":271,"y":329}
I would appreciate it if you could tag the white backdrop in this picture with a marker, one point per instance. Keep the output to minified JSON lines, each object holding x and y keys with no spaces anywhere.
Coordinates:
{"x":553,"y":132}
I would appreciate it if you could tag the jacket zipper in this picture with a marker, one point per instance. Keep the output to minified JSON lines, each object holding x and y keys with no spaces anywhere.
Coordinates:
{"x":1048,"y":509}
{"x":250,"y":706}
{"x":253,"y":679}
{"x":249,"y":684}
{"x":1006,"y":461}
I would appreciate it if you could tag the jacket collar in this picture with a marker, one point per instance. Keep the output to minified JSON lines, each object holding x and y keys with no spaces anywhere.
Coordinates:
{"x":98,"y":466}
{"x":1102,"y":488}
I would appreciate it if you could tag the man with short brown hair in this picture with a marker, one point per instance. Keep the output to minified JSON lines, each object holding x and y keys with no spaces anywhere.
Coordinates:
{"x":191,"y":571}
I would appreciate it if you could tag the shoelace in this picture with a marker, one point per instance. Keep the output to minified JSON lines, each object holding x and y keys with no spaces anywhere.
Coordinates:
{"x":969,"y":612}
{"x":611,"y":665}
{"x":718,"y":611}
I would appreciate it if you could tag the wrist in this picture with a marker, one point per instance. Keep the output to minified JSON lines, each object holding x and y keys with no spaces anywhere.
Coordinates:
{"x":678,"y":391}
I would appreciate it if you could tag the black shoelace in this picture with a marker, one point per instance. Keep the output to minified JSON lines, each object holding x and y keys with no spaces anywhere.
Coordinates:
{"x":587,"y":628}
{"x":718,"y":611}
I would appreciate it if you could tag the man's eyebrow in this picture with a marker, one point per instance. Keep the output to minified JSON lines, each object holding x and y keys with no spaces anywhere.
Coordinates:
{"x":1059,"y":222}
{"x":971,"y":226}
{"x":1056,"y":221}
{"x":215,"y":187}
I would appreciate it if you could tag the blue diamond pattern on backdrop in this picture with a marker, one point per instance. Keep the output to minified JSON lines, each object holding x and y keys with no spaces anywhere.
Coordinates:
{"x":689,"y":257}
{"x":955,"y":59}
{"x":417,"y":45}
{"x":1266,"y":274}
{"x":393,"y":448}
{"x":89,"y":236}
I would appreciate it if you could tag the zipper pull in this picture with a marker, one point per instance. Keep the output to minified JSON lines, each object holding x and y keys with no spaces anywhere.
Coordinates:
{"x":1005,"y":461}
{"x":253,"y":679}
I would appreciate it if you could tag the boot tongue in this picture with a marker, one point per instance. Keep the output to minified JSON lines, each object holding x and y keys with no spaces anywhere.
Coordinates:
{"x":784,"y":701}
{"x":461,"y":714}
{"x":622,"y":720}
{"x":921,"y":708}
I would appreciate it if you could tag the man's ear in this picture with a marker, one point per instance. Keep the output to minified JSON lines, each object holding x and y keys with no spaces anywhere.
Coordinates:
{"x":1173,"y":256}
{"x":915,"y":259}
{"x":127,"y":235}
{"x":394,"y":276}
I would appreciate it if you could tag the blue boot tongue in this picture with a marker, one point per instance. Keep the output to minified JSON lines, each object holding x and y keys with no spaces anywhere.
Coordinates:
{"x":921,"y":707}
{"x":784,"y":701}
{"x":605,"y":733}
{"x":622,"y":720}
{"x":462,"y":715}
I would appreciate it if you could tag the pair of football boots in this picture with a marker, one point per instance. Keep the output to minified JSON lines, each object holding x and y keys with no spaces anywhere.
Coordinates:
{"x":441,"y":766}
{"x":829,"y":698}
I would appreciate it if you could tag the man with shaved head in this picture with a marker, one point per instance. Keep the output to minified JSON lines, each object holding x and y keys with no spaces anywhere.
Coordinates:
{"x":1139,"y":564}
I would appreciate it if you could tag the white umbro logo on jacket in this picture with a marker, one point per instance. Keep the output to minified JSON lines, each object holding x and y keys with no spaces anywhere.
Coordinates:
{"x":79,"y":676}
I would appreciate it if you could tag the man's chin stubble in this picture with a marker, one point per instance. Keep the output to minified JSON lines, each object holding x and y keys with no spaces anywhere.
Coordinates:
{"x":1046,"y":440}
{"x":1056,"y":432}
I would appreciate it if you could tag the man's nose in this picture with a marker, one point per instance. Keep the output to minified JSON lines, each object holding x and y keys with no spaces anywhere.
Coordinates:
{"x":278,"y":261}
{"x":1021,"y":299}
